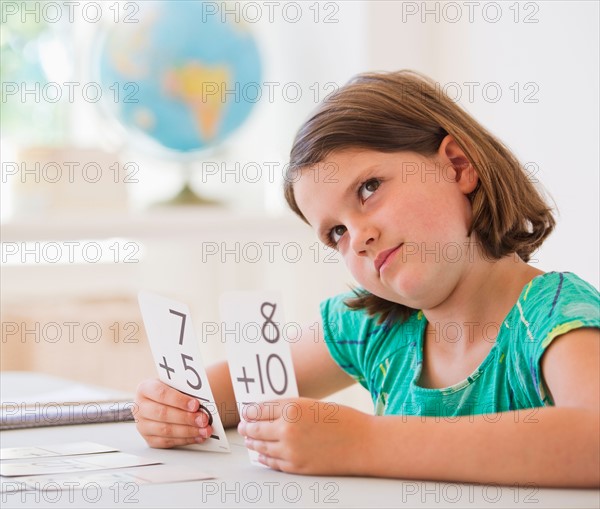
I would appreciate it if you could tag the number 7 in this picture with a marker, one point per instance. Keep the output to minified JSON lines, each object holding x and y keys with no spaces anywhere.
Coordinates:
{"x":183,"y":317}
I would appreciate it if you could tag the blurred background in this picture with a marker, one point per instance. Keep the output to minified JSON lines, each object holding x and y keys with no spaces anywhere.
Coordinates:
{"x":143,"y":146}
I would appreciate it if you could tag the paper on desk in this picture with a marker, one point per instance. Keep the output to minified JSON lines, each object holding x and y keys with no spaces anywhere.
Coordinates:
{"x":44,"y":451}
{"x":154,"y":474}
{"x":64,"y":465}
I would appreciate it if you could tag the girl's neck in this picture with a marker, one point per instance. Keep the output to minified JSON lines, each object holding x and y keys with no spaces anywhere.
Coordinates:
{"x":479,"y":303}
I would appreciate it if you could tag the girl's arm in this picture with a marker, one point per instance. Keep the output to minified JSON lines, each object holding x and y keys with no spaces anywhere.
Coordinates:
{"x":167,"y":418}
{"x":551,"y":446}
{"x":317,"y":373}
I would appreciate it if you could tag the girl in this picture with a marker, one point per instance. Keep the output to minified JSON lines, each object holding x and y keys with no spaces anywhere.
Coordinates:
{"x":482,"y":368}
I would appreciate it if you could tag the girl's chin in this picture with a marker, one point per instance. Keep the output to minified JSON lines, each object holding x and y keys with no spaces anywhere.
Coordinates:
{"x":413,"y":290}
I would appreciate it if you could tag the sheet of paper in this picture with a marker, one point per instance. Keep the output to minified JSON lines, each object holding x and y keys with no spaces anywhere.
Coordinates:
{"x":258,"y":352}
{"x":69,"y":464}
{"x":153,"y":474}
{"x":176,"y":353}
{"x":44,"y":451}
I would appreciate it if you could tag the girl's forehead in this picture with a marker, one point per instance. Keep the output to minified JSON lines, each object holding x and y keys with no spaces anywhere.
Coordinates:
{"x":337,"y":165}
{"x":315,"y":188}
{"x":320,"y":186}
{"x":317,"y":179}
{"x":352,"y":154}
{"x":343,"y":165}
{"x":362,"y":157}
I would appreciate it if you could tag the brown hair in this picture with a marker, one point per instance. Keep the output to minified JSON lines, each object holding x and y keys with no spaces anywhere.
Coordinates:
{"x":406,"y":111}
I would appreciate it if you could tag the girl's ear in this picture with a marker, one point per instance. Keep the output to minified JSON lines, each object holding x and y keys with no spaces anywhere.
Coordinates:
{"x":455,"y":160}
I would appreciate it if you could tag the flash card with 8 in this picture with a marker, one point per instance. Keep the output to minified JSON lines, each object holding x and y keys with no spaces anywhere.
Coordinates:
{"x":259,"y":357}
{"x":176,"y":353}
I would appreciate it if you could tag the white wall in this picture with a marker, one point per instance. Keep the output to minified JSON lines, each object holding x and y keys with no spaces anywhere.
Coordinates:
{"x":554,"y":61}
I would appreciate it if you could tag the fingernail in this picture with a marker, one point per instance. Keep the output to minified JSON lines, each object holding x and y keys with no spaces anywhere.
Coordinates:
{"x":203,"y":432}
{"x":192,"y":405}
{"x":201,"y":421}
{"x":199,"y":440}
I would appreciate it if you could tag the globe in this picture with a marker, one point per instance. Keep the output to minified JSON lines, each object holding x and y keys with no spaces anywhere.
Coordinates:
{"x":179,"y":76}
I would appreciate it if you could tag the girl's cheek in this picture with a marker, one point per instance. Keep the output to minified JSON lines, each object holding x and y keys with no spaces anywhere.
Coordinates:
{"x":356,"y":266}
{"x":343,"y":250}
{"x":348,"y":262}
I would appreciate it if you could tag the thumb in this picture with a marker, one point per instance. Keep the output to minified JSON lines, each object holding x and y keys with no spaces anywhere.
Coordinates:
{"x":265,"y":411}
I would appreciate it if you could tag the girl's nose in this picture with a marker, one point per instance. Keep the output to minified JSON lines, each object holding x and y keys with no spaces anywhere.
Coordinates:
{"x":361,"y":237}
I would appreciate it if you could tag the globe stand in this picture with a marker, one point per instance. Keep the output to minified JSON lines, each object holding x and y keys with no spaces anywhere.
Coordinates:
{"x":187,"y":196}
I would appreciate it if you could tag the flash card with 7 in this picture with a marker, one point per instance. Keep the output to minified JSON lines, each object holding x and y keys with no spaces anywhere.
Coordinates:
{"x":177,"y":357}
{"x":259,"y":356}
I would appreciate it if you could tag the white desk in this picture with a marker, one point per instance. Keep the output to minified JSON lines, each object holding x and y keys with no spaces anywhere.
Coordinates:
{"x":237,"y":483}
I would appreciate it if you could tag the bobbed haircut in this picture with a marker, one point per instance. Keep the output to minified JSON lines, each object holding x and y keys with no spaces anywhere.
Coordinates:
{"x":407,"y":111}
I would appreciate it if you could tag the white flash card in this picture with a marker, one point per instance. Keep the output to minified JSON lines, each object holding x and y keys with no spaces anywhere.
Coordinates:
{"x":177,"y":357}
{"x":45,"y":451}
{"x":259,"y":356}
{"x":79,"y":464}
{"x":153,"y":474}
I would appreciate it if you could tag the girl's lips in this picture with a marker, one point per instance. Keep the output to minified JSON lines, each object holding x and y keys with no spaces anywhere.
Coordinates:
{"x":384,"y":256}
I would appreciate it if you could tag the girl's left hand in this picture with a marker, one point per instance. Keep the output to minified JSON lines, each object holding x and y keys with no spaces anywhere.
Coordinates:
{"x":307,"y":436}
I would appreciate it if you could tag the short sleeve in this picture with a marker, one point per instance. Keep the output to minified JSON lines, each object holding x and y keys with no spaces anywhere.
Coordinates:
{"x":576,"y":304}
{"x":564,"y":302}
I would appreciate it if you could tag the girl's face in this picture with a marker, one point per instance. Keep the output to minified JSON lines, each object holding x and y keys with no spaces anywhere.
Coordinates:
{"x":399,"y":220}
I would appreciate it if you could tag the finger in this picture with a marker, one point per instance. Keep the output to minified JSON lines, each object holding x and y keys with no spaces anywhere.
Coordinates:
{"x":270,"y":462}
{"x":267,"y":410}
{"x":149,"y":409}
{"x":167,"y":443}
{"x":166,"y":430}
{"x":162,"y":393}
{"x":259,"y":430}
{"x":267,"y":448}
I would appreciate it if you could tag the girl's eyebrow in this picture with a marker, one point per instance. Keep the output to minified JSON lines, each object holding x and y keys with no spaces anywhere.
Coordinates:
{"x":360,"y":178}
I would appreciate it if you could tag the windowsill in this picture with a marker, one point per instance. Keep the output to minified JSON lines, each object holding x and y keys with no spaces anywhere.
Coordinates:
{"x":149,"y":224}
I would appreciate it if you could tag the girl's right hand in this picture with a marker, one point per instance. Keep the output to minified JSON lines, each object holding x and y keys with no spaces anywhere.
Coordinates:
{"x":167,"y":418}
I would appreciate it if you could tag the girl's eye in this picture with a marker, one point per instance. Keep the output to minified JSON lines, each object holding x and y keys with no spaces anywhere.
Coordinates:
{"x":335,"y":234}
{"x":368,"y":188}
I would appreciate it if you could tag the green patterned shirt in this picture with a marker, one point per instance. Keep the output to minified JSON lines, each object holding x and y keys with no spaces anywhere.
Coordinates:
{"x":387,"y":358}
